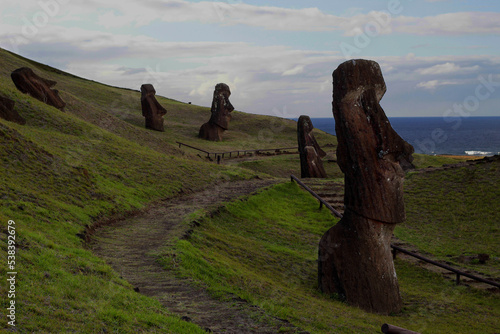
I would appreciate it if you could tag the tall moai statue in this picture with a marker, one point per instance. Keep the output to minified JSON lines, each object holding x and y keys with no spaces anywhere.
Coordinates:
{"x":355,"y":259}
{"x":311,"y":165}
{"x":221,"y":114}
{"x":151,"y":108}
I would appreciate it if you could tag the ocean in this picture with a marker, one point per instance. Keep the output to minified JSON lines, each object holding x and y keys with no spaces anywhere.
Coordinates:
{"x":437,"y":135}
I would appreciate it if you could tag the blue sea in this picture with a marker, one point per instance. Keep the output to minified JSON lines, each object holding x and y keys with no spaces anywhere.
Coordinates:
{"x":437,"y":135}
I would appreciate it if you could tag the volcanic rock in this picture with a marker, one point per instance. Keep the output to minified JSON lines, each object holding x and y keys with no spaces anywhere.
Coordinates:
{"x":355,"y":259}
{"x":151,"y":108}
{"x":8,"y":113}
{"x":221,"y":114}
{"x":30,"y":83}
{"x":311,"y":165}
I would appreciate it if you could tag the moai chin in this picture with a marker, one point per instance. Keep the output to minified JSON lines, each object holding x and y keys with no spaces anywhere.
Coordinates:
{"x":311,"y":165}
{"x":355,"y":259}
{"x":151,"y":108}
{"x":221,"y":114}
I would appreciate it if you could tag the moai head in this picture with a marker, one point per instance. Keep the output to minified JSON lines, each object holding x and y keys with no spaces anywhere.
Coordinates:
{"x":151,"y":108}
{"x":221,"y":107}
{"x":7,"y":111}
{"x":309,"y":149}
{"x":30,"y":83}
{"x":369,"y":150}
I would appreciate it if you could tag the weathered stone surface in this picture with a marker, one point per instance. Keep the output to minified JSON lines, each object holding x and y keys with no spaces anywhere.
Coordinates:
{"x":30,"y":83}
{"x":355,"y":257}
{"x":369,"y":150}
{"x":7,"y":111}
{"x":151,"y":108}
{"x":221,"y":114}
{"x":311,"y":165}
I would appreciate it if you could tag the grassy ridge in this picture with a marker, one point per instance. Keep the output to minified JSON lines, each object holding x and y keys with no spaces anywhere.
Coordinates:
{"x":65,"y":170}
{"x":265,"y":250}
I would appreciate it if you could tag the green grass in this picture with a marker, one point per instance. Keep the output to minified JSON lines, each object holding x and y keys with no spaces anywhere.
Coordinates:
{"x":264,"y":250}
{"x":63,"y":171}
{"x":283,"y":165}
{"x":424,"y":161}
{"x":454,"y":214}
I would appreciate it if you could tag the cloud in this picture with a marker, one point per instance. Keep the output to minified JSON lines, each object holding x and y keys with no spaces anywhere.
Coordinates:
{"x":262,"y":77}
{"x":447,"y":68}
{"x":286,"y":19}
{"x":434,"y":84}
{"x":254,"y":73}
{"x":462,"y":23}
{"x":120,"y":14}
{"x":294,"y":71}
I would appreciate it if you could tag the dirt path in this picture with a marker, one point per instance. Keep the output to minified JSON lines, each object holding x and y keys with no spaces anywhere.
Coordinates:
{"x":129,"y":246}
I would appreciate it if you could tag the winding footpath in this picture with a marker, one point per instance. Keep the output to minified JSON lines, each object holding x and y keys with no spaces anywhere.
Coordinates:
{"x":131,"y":246}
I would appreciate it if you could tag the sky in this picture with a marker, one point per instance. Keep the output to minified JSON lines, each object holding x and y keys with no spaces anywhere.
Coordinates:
{"x":439,"y":58}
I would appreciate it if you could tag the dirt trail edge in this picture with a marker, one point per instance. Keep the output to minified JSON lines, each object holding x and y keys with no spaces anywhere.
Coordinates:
{"x":129,"y":246}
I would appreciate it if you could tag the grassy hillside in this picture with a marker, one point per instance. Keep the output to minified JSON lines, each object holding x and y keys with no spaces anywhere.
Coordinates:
{"x":265,"y":250}
{"x":453,"y":214}
{"x":64,"y":171}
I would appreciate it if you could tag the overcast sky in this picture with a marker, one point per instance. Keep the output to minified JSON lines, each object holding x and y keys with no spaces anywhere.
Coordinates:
{"x":439,"y":57}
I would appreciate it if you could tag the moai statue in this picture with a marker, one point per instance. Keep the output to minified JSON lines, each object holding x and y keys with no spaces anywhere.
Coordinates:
{"x":30,"y":83}
{"x":355,"y":259}
{"x":221,"y":114}
{"x":151,"y":109}
{"x":7,"y":111}
{"x":310,"y":152}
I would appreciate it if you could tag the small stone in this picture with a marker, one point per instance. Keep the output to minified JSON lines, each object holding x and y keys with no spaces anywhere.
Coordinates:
{"x":483,"y":258}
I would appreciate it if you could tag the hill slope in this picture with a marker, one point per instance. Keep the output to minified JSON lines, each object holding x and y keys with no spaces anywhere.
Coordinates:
{"x":63,"y":171}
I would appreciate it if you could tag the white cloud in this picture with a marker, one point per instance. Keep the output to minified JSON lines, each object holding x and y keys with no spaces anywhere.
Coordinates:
{"x":447,"y":68}
{"x":119,"y":13}
{"x":464,"y":23}
{"x":261,"y":77}
{"x":286,"y":19}
{"x":434,"y":84}
{"x":294,"y":71}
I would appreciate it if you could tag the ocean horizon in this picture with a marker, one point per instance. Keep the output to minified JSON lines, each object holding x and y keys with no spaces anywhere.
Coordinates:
{"x":475,"y":136}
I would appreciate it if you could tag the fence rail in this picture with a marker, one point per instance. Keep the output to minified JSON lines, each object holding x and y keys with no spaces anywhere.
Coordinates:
{"x":459,"y":273}
{"x":321,"y":201}
{"x":391,"y":329}
{"x":396,"y":249}
{"x":222,"y":155}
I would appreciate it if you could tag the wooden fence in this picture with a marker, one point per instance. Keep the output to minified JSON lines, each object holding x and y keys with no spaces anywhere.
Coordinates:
{"x":221,"y":155}
{"x":396,"y":249}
